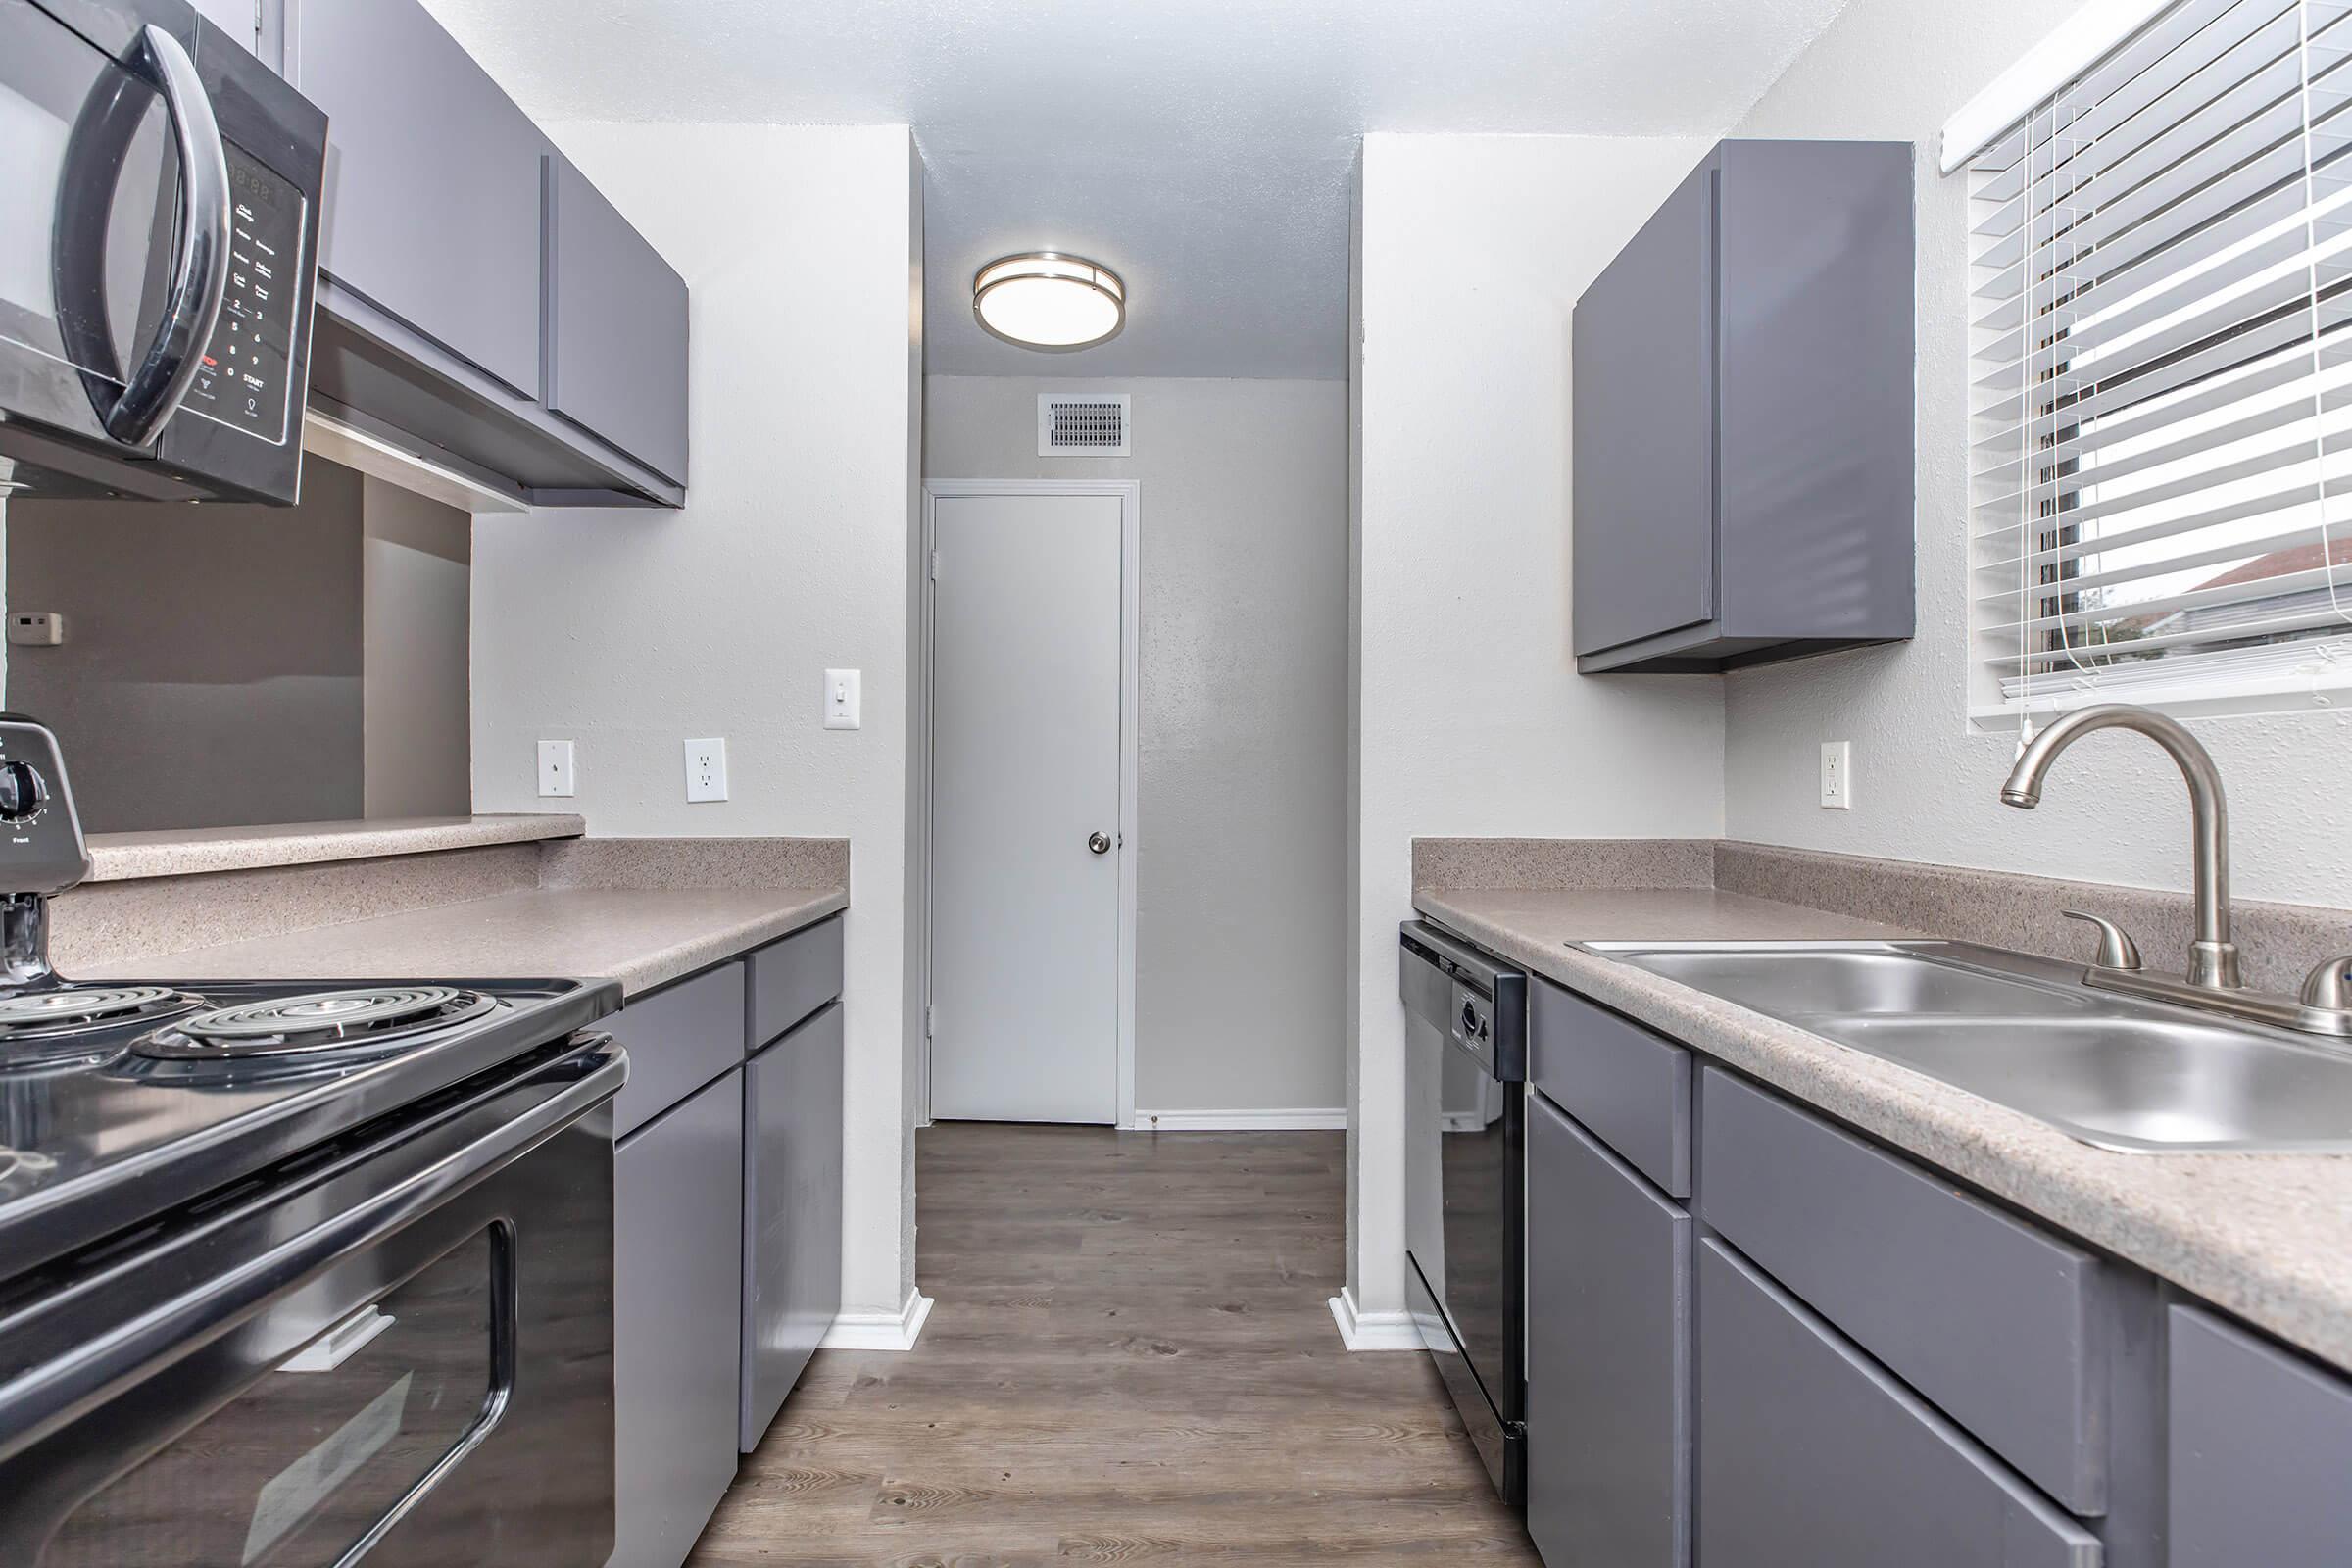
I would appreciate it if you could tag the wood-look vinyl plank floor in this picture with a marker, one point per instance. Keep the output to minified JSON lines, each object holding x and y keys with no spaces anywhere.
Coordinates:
{"x":1130,"y":1359}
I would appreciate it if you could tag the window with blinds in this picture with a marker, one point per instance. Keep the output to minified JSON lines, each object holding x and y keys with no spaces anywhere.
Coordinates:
{"x":2161,"y":377}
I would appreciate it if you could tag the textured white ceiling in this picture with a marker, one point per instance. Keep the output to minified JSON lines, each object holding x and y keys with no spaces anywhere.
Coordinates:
{"x":1200,"y":147}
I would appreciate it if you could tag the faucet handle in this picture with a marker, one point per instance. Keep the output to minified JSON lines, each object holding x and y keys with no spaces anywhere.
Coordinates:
{"x":2116,"y":950}
{"x":2328,"y":986}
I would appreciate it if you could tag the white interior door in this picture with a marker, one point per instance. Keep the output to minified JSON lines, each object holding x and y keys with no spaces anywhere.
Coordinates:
{"x":1025,"y":807}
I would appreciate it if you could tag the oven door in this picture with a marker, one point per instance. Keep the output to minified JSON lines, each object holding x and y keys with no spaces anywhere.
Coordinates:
{"x":157,"y":227}
{"x":400,"y":1351}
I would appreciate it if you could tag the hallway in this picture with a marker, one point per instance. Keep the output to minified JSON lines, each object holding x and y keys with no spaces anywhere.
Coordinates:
{"x":1130,"y":1358}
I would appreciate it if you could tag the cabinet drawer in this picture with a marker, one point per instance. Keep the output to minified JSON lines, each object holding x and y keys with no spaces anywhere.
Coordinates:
{"x":2260,"y":1450}
{"x":794,"y":977}
{"x":678,"y":1040}
{"x":1628,"y":1086}
{"x":1810,"y":1453}
{"x":1609,"y":1355}
{"x":1997,"y":1323}
{"x":677,"y":1252}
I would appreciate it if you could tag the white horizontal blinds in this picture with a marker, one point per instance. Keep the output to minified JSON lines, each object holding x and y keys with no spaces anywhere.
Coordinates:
{"x":2161,"y":384}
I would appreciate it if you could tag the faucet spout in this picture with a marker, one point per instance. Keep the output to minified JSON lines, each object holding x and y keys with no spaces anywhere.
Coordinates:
{"x":2213,"y":955}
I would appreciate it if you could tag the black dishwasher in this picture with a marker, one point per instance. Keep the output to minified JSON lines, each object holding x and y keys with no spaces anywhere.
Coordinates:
{"x":1465,"y":1154}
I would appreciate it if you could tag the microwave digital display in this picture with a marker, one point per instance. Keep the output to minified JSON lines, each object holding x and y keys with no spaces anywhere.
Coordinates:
{"x":242,"y":380}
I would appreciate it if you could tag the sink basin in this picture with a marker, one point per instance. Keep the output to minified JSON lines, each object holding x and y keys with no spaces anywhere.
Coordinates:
{"x":1805,"y":981}
{"x":2114,"y":1071}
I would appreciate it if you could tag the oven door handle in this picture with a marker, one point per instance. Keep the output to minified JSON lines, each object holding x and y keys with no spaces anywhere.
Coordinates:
{"x":46,"y":1396}
{"x":157,"y":388}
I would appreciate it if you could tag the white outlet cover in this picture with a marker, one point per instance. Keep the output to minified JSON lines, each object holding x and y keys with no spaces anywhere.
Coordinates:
{"x":555,"y":769}
{"x":842,"y":699}
{"x":1838,"y":775}
{"x":706,"y":769}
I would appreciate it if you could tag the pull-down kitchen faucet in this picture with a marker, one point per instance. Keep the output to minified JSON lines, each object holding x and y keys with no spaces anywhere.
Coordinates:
{"x":2213,"y":981}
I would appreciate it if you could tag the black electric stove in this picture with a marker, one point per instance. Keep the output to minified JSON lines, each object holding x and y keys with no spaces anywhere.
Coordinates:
{"x":121,"y":1100}
{"x":294,"y":1271}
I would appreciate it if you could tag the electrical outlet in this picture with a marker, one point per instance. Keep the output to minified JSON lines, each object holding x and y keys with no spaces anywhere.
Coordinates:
{"x":1838,"y":775}
{"x":706,"y":769}
{"x":555,"y":769}
{"x":841,"y":698}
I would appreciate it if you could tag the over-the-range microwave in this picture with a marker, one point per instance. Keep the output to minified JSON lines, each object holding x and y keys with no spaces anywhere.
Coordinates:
{"x":159,"y":225}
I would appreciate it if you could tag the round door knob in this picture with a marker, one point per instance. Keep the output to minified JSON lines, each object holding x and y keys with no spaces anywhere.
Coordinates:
{"x":1100,"y":843}
{"x":21,"y":793}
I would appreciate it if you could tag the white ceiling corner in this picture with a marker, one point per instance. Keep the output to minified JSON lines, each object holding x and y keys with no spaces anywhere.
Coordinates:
{"x":1201,"y":148}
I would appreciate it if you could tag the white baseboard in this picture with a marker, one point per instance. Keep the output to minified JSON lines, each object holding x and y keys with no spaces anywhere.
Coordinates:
{"x":880,"y":1331}
{"x":1373,"y":1331}
{"x":1312,"y":1120}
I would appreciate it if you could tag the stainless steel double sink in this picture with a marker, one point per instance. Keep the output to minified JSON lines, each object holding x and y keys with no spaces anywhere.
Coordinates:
{"x":2112,"y":1070}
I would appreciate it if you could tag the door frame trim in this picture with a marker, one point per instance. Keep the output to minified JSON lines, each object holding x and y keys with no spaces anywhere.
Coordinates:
{"x":1130,"y":496}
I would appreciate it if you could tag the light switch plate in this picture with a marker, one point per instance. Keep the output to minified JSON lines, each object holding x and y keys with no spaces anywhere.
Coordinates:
{"x":555,"y":769}
{"x":842,"y":701}
{"x":1838,"y":775}
{"x":706,"y":769}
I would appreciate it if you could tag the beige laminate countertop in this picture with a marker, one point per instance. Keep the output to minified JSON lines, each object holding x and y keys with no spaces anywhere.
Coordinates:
{"x":640,"y":937}
{"x":191,"y":851}
{"x":2267,"y":1237}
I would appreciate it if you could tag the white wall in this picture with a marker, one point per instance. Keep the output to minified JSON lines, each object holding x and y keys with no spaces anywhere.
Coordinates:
{"x":631,"y":631}
{"x":1471,"y":718}
{"x":1241,"y":744}
{"x":1925,"y":787}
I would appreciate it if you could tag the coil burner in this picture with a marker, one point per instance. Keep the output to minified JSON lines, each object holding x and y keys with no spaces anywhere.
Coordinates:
{"x":319,"y":1023}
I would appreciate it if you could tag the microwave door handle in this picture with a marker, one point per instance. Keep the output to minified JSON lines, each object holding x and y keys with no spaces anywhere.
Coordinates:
{"x":201,"y":281}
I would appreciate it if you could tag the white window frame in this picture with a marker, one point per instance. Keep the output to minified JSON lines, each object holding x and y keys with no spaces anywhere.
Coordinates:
{"x":2310,"y":676}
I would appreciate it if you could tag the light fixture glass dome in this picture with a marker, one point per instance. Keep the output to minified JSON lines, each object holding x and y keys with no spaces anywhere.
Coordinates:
{"x":1046,"y":299}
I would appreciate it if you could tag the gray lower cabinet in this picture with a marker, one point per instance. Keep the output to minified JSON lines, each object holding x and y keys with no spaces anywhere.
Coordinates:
{"x":1609,"y":1355}
{"x":1810,"y":1453}
{"x":2005,"y":1327}
{"x":791,"y":1211}
{"x":678,"y":1245}
{"x":2260,"y":1451}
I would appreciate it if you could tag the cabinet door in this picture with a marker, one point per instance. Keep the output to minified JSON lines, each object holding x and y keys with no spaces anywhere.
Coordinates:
{"x":1643,"y":415}
{"x":1609,"y":1355}
{"x":2260,"y":1451}
{"x":677,"y":1239}
{"x":432,"y":181}
{"x":236,"y":18}
{"x":792,"y":1213}
{"x":1810,"y":1452}
{"x":617,"y":313}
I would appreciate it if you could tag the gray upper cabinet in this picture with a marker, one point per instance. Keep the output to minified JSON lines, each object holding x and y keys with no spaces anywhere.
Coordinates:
{"x":1645,"y":401}
{"x":1744,"y":416}
{"x":432,"y":183}
{"x":616,"y":326}
{"x":481,"y":305}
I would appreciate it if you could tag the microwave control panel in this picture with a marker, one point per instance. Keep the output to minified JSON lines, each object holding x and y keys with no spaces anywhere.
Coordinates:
{"x":242,"y":381}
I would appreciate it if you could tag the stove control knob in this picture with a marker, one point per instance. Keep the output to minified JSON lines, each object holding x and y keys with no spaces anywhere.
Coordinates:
{"x":21,"y":792}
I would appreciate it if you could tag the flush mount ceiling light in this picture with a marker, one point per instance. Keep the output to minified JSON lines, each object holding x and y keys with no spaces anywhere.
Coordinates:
{"x":1046,"y":299}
